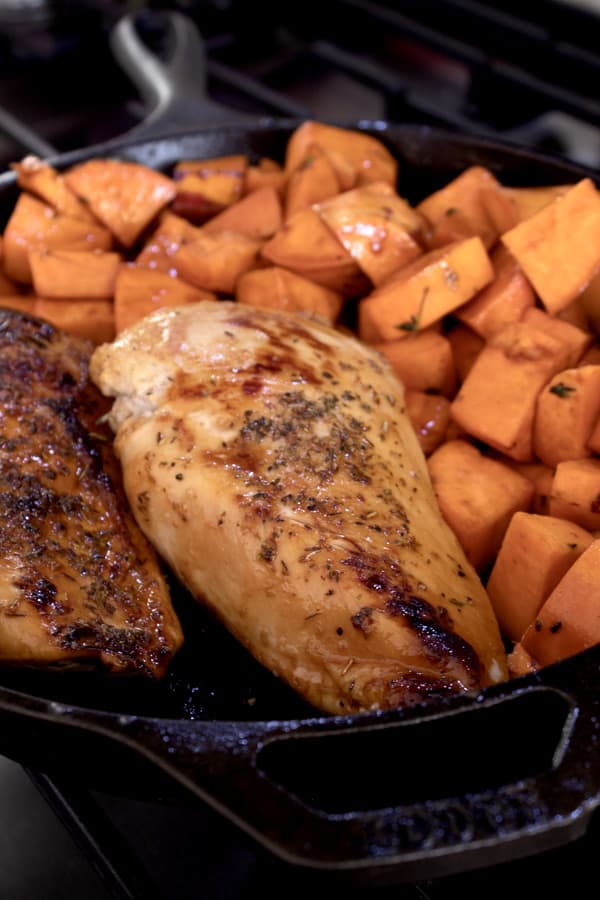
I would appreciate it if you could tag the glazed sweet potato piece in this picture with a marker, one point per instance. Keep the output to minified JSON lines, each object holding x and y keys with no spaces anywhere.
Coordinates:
{"x":23,"y":302}
{"x":423,"y":362}
{"x":171,"y":233}
{"x":576,"y":492}
{"x":216,"y":261}
{"x":478,"y":497}
{"x":140,"y":291}
{"x":462,"y":204}
{"x":576,"y":340}
{"x":529,"y":200}
{"x":376,"y":226}
{"x":567,"y":410}
{"x":33,"y":225}
{"x":535,"y":554}
{"x":569,"y":620}
{"x":368,"y":158}
{"x":39,"y":178}
{"x":257,"y":215}
{"x":74,"y":274}
{"x":541,"y":477}
{"x":590,"y":301}
{"x":124,"y":196}
{"x":429,"y":415}
{"x":498,"y":398}
{"x":206,"y":187}
{"x":308,"y":247}
{"x":429,"y":288}
{"x":558,"y":248}
{"x":277,"y":288}
{"x":91,"y":319}
{"x":266,"y":173}
{"x":312,"y":181}
{"x":504,"y":300}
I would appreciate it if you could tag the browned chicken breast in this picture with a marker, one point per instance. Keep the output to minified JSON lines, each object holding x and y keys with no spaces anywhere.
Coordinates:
{"x":271,"y":462}
{"x":78,"y":580}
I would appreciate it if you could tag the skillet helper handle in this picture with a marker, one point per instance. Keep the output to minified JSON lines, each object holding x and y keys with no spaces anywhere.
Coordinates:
{"x":174,"y":89}
{"x":410,"y":795}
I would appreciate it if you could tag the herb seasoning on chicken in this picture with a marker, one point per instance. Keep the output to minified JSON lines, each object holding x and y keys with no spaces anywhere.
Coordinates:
{"x":271,"y":462}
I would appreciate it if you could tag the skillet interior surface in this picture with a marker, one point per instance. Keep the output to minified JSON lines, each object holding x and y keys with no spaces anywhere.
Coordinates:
{"x":213,"y":677}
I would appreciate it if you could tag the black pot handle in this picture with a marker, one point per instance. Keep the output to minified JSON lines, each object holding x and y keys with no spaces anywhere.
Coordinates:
{"x":174,"y":89}
{"x":402,"y":796}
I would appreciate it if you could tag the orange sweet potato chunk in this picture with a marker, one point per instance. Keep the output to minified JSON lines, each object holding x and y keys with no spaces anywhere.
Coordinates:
{"x":576,"y":492}
{"x":462,"y":204}
{"x":376,"y":226}
{"x":206,"y":187}
{"x":541,"y":477}
{"x":429,"y":415}
{"x":33,"y":225}
{"x":504,"y":300}
{"x":529,"y":200}
{"x":478,"y":497}
{"x":308,"y":247}
{"x":574,"y":338}
{"x":257,"y":215}
{"x":171,"y":233}
{"x":424,"y":291}
{"x":124,"y":196}
{"x":466,"y":347}
{"x":277,"y":288}
{"x":535,"y":554}
{"x":423,"y":362}
{"x":39,"y":178}
{"x":558,"y":248}
{"x":216,"y":261}
{"x":567,"y":410}
{"x":266,"y":173}
{"x":368,"y":158}
{"x":22,"y":302}
{"x":74,"y":274}
{"x":497,"y":401}
{"x":140,"y":291}
{"x":91,"y":319}
{"x":312,"y":181}
{"x":569,"y":620}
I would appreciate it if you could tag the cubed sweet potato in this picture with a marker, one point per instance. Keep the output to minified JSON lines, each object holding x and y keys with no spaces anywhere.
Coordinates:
{"x":424,"y":291}
{"x":171,"y":233}
{"x":205,"y":187}
{"x":422,"y":362}
{"x":91,"y":319}
{"x":124,"y":196}
{"x":463,"y":199}
{"x":368,"y":157}
{"x":39,"y":178}
{"x":216,"y":261}
{"x":308,"y":247}
{"x":576,"y":492}
{"x":541,"y":477}
{"x":574,"y":338}
{"x":567,"y":410}
{"x":529,"y":200}
{"x":22,"y":302}
{"x":558,"y":247}
{"x":569,"y":620}
{"x":74,"y":274}
{"x":535,"y":554}
{"x":257,"y":215}
{"x":313,"y":180}
{"x":376,"y":226}
{"x":266,"y":173}
{"x":478,"y":496}
{"x":504,"y":300}
{"x":34,"y":225}
{"x":139,"y":291}
{"x":498,"y":398}
{"x":277,"y":288}
{"x":590,"y":300}
{"x":429,"y":415}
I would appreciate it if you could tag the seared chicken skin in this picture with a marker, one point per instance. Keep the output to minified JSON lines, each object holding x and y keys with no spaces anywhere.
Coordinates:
{"x":270,"y":461}
{"x":78,"y":580}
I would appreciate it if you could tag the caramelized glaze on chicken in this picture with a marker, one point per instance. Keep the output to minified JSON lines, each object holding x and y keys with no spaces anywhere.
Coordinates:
{"x":271,"y":462}
{"x":78,"y":580}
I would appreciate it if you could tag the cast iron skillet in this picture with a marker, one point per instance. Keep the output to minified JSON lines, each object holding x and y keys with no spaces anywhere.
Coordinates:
{"x":469,"y":781}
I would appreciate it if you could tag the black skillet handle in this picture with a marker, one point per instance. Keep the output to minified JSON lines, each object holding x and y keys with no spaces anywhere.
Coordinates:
{"x":174,"y":88}
{"x":408,"y":795}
